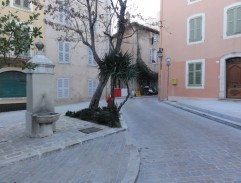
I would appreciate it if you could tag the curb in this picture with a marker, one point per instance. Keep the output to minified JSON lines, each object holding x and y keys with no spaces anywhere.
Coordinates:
{"x":200,"y":112}
{"x":133,"y":166}
{"x":225,"y":116}
{"x":46,"y":152}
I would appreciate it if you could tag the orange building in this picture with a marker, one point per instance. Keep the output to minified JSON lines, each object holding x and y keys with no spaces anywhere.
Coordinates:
{"x":203,"y":41}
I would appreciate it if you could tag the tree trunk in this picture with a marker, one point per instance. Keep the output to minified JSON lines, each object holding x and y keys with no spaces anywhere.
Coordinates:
{"x":112,"y":89}
{"x":94,"y":103}
{"x":122,"y":103}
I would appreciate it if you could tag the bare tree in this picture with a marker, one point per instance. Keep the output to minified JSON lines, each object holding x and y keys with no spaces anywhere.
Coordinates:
{"x":80,"y":18}
{"x":77,"y":19}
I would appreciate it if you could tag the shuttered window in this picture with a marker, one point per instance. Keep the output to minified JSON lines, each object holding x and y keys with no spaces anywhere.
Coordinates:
{"x":91,"y":87}
{"x":234,"y":20}
{"x":21,"y":3}
{"x":195,"y":74}
{"x":195,"y":29}
{"x":193,"y":1}
{"x":62,"y":88}
{"x":91,"y":60}
{"x":63,"y":18}
{"x":64,"y":52}
{"x":153,"y":56}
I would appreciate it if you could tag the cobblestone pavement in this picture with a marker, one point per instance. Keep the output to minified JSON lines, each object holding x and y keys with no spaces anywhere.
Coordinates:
{"x":68,"y":155}
{"x":180,"y":147}
{"x":103,"y":160}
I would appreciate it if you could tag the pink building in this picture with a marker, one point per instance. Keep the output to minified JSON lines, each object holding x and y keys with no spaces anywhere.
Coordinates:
{"x":203,"y":41}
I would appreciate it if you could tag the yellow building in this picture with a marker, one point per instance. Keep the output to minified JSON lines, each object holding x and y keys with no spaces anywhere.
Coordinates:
{"x":13,"y":79}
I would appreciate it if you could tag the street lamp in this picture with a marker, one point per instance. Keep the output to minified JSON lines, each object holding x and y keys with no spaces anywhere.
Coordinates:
{"x":168,"y":63}
{"x":160,"y":55}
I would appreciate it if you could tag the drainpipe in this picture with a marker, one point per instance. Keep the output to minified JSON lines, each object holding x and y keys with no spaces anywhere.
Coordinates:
{"x":160,"y":74}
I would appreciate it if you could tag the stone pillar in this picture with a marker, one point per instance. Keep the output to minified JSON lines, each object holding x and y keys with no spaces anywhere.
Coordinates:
{"x":40,"y":95}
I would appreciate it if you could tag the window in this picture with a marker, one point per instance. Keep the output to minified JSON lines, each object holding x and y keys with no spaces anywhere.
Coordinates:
{"x":195,"y":74}
{"x":18,"y":50}
{"x":195,"y":29}
{"x":153,"y":37}
{"x":91,"y":87}
{"x":153,"y":56}
{"x":63,"y":19}
{"x":62,"y":88}
{"x":64,"y":52}
{"x":21,"y":3}
{"x":192,"y":1}
{"x":232,"y":21}
{"x":91,"y":60}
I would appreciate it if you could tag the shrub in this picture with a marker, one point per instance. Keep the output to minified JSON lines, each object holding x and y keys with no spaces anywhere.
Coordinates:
{"x":108,"y":116}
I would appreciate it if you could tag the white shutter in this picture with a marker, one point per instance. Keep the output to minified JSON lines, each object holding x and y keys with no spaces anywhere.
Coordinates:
{"x":66,"y":52}
{"x":94,"y":86}
{"x":90,"y":56}
{"x":156,"y":55}
{"x":18,"y":2}
{"x":25,"y":3}
{"x":90,"y":87}
{"x":61,"y":52}
{"x":61,"y":14}
{"x":150,"y":55}
{"x":66,"y":88}
{"x":59,"y":88}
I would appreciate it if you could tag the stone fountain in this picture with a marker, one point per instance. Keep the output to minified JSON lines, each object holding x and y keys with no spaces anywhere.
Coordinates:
{"x":40,"y":115}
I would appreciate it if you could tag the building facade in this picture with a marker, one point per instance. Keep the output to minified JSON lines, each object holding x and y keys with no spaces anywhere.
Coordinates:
{"x":203,"y":42}
{"x":146,"y":40}
{"x":76,"y":72}
{"x":12,"y":78}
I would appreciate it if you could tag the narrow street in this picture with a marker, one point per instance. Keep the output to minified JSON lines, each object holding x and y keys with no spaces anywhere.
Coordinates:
{"x":177,"y":146}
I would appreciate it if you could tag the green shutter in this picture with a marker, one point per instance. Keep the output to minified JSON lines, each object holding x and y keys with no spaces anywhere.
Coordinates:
{"x":238,"y":20}
{"x":192,"y":30}
{"x":198,"y":75}
{"x":198,"y":31}
{"x":12,"y":84}
{"x":230,"y":22}
{"x":195,"y":29}
{"x":195,"y":74}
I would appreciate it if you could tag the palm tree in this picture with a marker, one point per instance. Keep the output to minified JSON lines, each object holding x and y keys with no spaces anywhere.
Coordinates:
{"x":118,"y":66}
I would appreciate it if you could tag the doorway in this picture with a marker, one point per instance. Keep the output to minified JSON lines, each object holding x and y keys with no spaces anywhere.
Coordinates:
{"x":233,"y":78}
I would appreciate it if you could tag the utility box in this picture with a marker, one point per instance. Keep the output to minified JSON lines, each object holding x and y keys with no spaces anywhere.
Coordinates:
{"x":174,"y":81}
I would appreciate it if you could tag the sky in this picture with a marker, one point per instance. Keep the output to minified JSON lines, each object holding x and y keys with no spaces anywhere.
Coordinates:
{"x":148,"y":8}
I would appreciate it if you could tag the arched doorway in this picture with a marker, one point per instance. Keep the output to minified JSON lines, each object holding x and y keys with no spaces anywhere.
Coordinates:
{"x":233,"y":77}
{"x":12,"y":84}
{"x":223,"y":89}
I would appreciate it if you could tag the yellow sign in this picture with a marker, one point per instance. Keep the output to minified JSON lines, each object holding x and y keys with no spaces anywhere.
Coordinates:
{"x":174,"y":81}
{"x":138,"y":93}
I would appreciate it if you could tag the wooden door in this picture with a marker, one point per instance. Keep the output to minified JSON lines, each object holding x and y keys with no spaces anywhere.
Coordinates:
{"x":233,"y":76}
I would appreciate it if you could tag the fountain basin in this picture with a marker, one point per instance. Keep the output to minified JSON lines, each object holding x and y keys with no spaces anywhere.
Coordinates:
{"x":45,"y":118}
